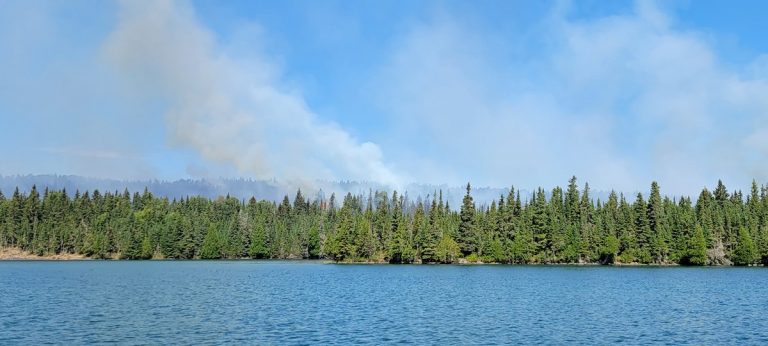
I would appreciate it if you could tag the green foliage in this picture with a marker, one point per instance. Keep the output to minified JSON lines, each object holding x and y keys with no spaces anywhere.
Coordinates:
{"x":213,"y":244}
{"x":745,"y":253}
{"x":522,"y":247}
{"x":258,"y":242}
{"x":696,"y":250}
{"x":401,"y":249}
{"x":472,"y":258}
{"x":563,"y":226}
{"x":495,"y":252}
{"x":466,"y":233}
{"x":609,"y":249}
{"x":762,"y":245}
{"x":447,"y":250}
{"x":146,"y":248}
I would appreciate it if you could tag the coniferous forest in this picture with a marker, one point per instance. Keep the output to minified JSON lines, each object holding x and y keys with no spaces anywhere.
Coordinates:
{"x":559,"y":226}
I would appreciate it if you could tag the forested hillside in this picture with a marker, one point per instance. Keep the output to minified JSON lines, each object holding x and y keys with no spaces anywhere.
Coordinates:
{"x":562,"y":226}
{"x":242,"y":188}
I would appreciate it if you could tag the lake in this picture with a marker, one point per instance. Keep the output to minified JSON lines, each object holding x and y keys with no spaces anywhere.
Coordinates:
{"x":294,"y":302}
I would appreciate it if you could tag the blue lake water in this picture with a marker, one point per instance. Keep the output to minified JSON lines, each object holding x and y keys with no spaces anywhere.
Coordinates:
{"x":266,"y":302}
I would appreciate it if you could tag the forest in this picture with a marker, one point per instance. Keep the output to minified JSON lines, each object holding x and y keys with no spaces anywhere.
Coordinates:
{"x":547,"y":227}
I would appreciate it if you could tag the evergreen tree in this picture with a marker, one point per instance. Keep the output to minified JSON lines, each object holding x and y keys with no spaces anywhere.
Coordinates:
{"x":588,"y":236}
{"x":762,"y":245}
{"x":705,"y":216}
{"x":4,"y":234}
{"x":466,"y":233}
{"x":401,"y":249}
{"x":642,"y":231}
{"x":745,"y":252}
{"x":658,"y":238}
{"x":212,"y":245}
{"x":572,"y":200}
{"x":696,"y":252}
{"x":559,"y":227}
{"x":609,"y":249}
{"x":523,"y":247}
{"x":447,"y":250}
{"x":299,"y":205}
{"x":431,"y":237}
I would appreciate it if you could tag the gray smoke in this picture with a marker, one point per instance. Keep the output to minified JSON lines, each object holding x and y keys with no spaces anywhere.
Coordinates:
{"x":229,"y":111}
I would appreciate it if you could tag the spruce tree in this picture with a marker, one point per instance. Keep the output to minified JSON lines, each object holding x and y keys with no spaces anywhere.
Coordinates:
{"x":762,"y":245}
{"x":114,"y":224}
{"x":212,"y":245}
{"x":572,"y":202}
{"x":745,"y":252}
{"x":696,"y":253}
{"x":642,"y":231}
{"x":4,"y":234}
{"x":587,"y":232}
{"x":447,"y":250}
{"x":658,"y":246}
{"x":705,"y":216}
{"x":523,"y":246}
{"x":609,"y":249}
{"x":431,"y":237}
{"x":466,"y":233}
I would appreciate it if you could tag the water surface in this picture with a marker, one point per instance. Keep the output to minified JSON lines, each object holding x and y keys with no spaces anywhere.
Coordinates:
{"x":268,"y":302}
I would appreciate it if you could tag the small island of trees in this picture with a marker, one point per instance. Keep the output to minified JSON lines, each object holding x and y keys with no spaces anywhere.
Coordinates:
{"x":558,"y":227}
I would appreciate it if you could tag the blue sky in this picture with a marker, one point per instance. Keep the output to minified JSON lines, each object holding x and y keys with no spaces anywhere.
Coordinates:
{"x":619,"y":93}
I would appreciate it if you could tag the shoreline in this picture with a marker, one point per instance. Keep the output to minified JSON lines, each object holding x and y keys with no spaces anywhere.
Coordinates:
{"x":15,"y":254}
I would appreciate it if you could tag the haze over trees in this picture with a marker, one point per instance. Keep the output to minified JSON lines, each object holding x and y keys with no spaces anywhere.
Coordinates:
{"x":557,"y":226}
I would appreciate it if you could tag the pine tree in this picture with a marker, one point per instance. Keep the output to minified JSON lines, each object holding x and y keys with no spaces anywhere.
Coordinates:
{"x":257,"y":218}
{"x":556,"y":230}
{"x":587,"y":234}
{"x":4,"y":234}
{"x":755,"y":207}
{"x":642,"y":231}
{"x":762,"y":245}
{"x":401,"y":248}
{"x":466,"y":233}
{"x":705,"y":216}
{"x":146,"y":248}
{"x":363,"y":238}
{"x":347,"y":230}
{"x":299,"y":205}
{"x":696,"y":252}
{"x":382,"y":222}
{"x":447,"y":250}
{"x":609,"y":249}
{"x":314,"y":242}
{"x":573,"y":250}
{"x":546,"y":229}
{"x":572,"y":200}
{"x":658,"y":239}
{"x":745,"y":252}
{"x":523,"y":246}
{"x":431,"y":237}
{"x":212,"y":245}
{"x":683,"y":229}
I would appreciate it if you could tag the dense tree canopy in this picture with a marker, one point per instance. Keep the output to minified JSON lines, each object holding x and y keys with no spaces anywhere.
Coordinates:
{"x":559,"y":226}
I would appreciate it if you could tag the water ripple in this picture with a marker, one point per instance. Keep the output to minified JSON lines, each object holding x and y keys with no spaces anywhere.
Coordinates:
{"x":308,"y":303}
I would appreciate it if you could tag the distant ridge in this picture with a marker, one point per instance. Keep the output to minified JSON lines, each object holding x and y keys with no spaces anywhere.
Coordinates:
{"x":244,"y":188}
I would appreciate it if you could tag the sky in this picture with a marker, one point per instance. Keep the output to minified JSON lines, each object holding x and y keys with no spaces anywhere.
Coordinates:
{"x":499,"y":93}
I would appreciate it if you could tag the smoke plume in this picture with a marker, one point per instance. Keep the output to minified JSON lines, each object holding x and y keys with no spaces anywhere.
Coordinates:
{"x":231,"y":111}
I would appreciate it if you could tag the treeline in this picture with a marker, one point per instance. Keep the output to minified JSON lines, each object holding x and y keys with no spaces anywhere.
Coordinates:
{"x":559,"y":226}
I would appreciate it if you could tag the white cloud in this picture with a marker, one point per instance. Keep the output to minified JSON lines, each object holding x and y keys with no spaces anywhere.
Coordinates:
{"x":619,"y":101}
